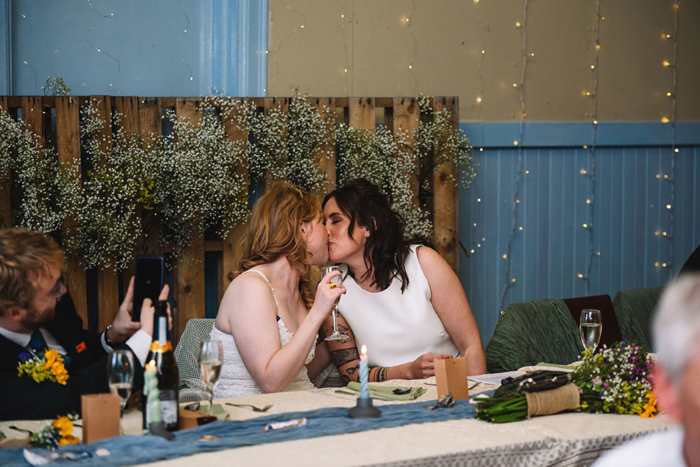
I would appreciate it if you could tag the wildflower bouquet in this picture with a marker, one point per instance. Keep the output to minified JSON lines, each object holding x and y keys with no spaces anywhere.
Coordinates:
{"x":616,"y":380}
{"x":56,"y":434}
{"x":46,"y":367}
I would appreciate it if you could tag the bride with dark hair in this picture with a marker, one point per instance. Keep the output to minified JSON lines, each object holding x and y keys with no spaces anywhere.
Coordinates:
{"x":268,"y":320}
{"x":402,"y":298}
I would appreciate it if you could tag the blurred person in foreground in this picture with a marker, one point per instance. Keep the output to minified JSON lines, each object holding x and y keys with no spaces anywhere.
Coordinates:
{"x":38,"y":320}
{"x":676,"y":331}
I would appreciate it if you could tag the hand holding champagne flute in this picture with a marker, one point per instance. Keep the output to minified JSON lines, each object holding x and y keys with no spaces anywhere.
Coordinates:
{"x":211,"y":357}
{"x":336,"y":336}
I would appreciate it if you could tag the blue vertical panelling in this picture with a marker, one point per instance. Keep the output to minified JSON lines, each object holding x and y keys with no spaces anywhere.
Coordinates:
{"x":5,"y":49}
{"x":154,"y":48}
{"x":630,"y":206}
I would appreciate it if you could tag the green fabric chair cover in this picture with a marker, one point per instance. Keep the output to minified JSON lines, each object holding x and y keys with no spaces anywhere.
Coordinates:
{"x":533,"y":332}
{"x":634,"y":310}
{"x":186,"y":353}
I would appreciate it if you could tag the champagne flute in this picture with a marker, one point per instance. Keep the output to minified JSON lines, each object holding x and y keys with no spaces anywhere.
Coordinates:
{"x":211,"y":357}
{"x":336,"y":336}
{"x":120,"y":374}
{"x":591,"y":327}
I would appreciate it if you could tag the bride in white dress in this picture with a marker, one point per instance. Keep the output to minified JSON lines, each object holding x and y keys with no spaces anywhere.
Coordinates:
{"x":266,"y":321}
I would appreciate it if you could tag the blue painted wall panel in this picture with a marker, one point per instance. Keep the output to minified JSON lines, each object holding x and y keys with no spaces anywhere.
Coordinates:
{"x":629,"y":207}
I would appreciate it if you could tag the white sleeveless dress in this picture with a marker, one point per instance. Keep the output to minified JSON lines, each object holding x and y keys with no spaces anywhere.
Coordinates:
{"x":235,"y":380}
{"x":396,"y":327}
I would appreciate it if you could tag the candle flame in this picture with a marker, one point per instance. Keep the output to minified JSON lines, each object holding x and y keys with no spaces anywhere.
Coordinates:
{"x":363,"y":351}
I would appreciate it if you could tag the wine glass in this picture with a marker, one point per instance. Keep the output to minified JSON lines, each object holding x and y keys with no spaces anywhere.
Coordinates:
{"x":591,"y":327}
{"x":120,"y":375}
{"x":336,"y":336}
{"x":211,"y":357}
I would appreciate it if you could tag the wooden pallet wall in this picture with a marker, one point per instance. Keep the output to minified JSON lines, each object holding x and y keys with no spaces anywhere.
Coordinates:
{"x":143,"y":115}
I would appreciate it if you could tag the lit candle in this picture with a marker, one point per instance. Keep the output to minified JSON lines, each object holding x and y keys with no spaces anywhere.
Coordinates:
{"x":364,"y":375}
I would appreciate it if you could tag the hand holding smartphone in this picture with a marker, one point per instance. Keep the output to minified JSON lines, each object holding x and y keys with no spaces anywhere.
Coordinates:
{"x":148,"y":282}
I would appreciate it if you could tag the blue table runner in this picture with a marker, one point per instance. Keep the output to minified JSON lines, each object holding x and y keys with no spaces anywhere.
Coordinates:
{"x":130,"y":450}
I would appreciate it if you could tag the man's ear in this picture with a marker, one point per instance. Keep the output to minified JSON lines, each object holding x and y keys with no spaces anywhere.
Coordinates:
{"x":666,"y":392}
{"x":15,"y":313}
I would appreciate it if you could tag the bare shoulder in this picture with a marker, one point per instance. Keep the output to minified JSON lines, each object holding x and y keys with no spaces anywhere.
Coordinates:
{"x":431,"y":262}
{"x":245,"y":290}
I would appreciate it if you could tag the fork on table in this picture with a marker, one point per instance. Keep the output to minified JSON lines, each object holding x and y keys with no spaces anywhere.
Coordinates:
{"x":255,"y":409}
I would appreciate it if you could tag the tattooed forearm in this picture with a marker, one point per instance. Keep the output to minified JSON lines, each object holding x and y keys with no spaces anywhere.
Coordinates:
{"x":344,"y":356}
{"x":378,"y":374}
{"x":353,"y":370}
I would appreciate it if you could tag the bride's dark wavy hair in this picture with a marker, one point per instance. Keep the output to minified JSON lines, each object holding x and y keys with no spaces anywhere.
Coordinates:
{"x":386,"y":248}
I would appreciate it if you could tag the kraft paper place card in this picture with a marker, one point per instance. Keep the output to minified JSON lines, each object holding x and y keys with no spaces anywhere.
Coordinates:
{"x":451,"y":377}
{"x":100,"y":416}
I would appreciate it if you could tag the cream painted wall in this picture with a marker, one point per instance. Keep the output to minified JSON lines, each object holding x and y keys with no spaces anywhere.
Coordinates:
{"x":438,"y":51}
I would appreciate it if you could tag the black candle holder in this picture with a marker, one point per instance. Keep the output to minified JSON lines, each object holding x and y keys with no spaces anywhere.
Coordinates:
{"x":364,"y":409}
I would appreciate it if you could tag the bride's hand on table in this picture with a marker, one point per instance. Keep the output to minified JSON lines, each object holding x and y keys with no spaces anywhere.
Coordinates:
{"x":424,"y":366}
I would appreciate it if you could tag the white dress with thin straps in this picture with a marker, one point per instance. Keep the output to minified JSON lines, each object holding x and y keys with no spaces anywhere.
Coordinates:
{"x":235,"y":379}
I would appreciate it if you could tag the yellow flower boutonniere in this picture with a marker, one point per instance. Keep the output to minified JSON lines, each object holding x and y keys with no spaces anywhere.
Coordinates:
{"x":46,"y":367}
{"x":56,"y":434}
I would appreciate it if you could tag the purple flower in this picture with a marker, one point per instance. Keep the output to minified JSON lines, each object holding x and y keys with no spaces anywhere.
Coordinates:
{"x":24,"y":355}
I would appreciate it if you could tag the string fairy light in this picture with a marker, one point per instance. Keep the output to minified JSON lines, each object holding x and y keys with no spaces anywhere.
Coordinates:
{"x":409,"y":25}
{"x":99,"y":50}
{"x":271,"y":52}
{"x":591,"y":172}
{"x":24,"y":17}
{"x":179,"y":39}
{"x":510,"y":281}
{"x":345,"y":47}
{"x":674,"y":150}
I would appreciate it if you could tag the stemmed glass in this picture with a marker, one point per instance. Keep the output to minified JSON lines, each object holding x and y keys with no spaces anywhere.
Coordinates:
{"x":591,"y":327}
{"x":211,"y":357}
{"x":120,"y":374}
{"x":336,"y":336}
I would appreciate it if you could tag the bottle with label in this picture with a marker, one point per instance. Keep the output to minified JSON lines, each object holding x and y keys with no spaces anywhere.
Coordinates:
{"x":161,"y":378}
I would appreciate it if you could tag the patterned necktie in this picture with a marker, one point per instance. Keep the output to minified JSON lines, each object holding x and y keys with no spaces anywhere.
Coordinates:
{"x":37,"y":342}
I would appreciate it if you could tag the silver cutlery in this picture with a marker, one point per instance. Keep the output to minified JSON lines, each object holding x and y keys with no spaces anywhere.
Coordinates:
{"x":255,"y":409}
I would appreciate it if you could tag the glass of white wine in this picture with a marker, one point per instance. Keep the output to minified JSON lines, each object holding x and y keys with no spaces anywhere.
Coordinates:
{"x":336,"y":336}
{"x":591,"y":327}
{"x":211,"y":357}
{"x":120,"y":374}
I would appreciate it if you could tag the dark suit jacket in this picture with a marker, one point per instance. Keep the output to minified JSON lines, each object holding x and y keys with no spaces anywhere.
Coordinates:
{"x":25,"y":399}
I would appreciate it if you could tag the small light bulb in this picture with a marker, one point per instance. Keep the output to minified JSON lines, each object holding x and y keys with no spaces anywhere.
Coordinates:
{"x":602,"y":18}
{"x":583,"y":171}
{"x":668,"y":206}
{"x":267,"y":52}
{"x":668,"y":94}
{"x":517,"y":24}
{"x":580,"y":276}
{"x":597,"y":46}
{"x":658,"y":176}
{"x":513,"y":279}
{"x":346,"y":70}
{"x":656,"y":233}
{"x":595,"y":122}
{"x":588,"y":93}
{"x":664,"y":234}
{"x":478,"y":100}
{"x":532,"y":54}
{"x":666,"y":63}
{"x":588,"y":201}
{"x":476,"y":1}
{"x":302,"y":26}
{"x":515,"y":143}
{"x":478,"y":200}
{"x":668,"y":36}
{"x":410,"y":67}
{"x":585,"y":226}
{"x":99,"y":50}
{"x":592,"y":67}
{"x":598,"y":253}
{"x":520,"y":228}
{"x":664,"y":119}
{"x":483,"y":239}
{"x":585,"y":146}
{"x":478,"y":245}
{"x":656,"y":264}
{"x":517,"y":201}
{"x":663,"y":264}
{"x":474,"y":224}
{"x":675,"y":150}
{"x":483,"y":51}
{"x":665,"y":176}
{"x":407,"y":20}
{"x":342,"y":16}
{"x":185,"y":30}
{"x":191,"y":78}
{"x":527,"y":172}
{"x":505,"y":256}
{"x":472,"y":251}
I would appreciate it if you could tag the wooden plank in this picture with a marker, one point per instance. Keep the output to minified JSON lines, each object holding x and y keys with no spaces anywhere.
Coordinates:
{"x":32,"y":115}
{"x":230,"y":254}
{"x":127,"y":108}
{"x":326,"y":107}
{"x":187,"y":274}
{"x":446,"y":196}
{"x":150,"y":128}
{"x":405,"y":116}
{"x":6,"y":187}
{"x":107,"y":279}
{"x":68,"y":147}
{"x":361,"y":113}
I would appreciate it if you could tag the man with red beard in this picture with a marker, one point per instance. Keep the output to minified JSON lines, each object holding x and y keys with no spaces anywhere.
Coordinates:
{"x":38,"y":319}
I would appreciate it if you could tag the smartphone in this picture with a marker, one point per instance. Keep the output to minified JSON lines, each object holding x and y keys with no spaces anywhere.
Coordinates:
{"x":148,"y":281}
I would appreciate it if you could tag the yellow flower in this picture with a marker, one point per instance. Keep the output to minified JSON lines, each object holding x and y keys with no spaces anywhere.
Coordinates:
{"x":68,"y":440}
{"x":65,"y":425}
{"x":650,"y":407}
{"x":51,"y":357}
{"x":54,"y":362}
